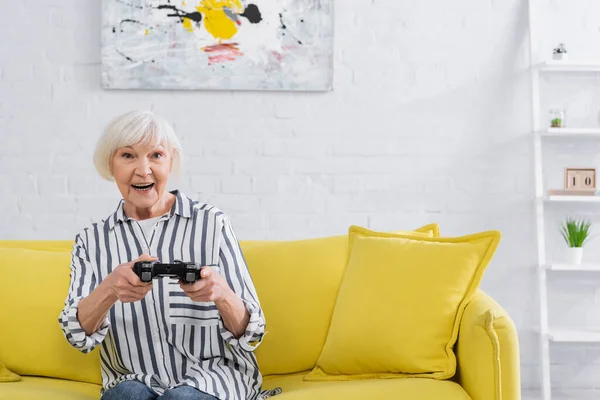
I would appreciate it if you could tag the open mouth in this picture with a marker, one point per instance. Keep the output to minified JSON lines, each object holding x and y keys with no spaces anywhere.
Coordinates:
{"x":143,"y":188}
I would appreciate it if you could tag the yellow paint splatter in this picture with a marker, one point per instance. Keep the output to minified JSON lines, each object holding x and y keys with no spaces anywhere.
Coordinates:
{"x":187,"y":24}
{"x":217,"y":23}
{"x":146,"y":32}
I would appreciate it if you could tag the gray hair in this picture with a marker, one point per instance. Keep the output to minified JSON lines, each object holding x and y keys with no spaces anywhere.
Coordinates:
{"x":131,"y":128}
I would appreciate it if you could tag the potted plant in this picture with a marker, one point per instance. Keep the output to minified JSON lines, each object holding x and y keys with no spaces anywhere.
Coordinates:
{"x":556,"y":122}
{"x":557,"y":118}
{"x":576,"y":234}
{"x":560,"y":52}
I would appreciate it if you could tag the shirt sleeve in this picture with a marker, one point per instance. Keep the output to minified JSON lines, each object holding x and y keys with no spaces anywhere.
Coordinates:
{"x":83,"y":281}
{"x":233,"y":265}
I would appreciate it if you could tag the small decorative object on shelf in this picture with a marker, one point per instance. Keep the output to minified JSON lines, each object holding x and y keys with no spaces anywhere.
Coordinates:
{"x":578,"y":182}
{"x":576,"y":234}
{"x":580,"y":179}
{"x":557,"y":118}
{"x":560,"y":52}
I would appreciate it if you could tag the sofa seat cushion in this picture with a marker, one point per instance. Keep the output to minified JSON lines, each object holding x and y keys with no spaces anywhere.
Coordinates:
{"x":295,"y":388}
{"x":36,"y":388}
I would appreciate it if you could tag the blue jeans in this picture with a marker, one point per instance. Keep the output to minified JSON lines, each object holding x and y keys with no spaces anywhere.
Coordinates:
{"x":136,"y":390}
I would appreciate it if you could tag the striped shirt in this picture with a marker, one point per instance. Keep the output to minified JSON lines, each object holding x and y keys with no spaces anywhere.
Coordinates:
{"x":167,"y":339}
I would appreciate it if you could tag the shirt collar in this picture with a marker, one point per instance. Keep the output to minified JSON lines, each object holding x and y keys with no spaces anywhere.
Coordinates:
{"x":182,"y":207}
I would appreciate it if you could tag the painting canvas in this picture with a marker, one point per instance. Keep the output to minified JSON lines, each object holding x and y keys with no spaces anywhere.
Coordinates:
{"x":217,"y":44}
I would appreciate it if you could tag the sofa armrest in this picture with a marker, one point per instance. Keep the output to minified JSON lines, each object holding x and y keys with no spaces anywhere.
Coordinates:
{"x":488,"y":351}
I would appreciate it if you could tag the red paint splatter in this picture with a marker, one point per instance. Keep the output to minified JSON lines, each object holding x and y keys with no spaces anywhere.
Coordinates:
{"x":278,"y":56}
{"x":221,"y":58}
{"x":222,"y":52}
{"x":221,"y":46}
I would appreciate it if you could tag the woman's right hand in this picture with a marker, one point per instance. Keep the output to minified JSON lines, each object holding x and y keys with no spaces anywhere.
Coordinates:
{"x":125,"y":284}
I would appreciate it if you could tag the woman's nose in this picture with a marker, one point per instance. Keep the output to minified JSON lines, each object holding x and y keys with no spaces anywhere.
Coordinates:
{"x":143,"y":167}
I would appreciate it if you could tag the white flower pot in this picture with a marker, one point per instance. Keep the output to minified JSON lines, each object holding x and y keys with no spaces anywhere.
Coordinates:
{"x":560,"y":56}
{"x":574,"y":255}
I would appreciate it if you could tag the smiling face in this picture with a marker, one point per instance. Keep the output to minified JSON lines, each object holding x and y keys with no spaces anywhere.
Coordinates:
{"x":141,"y":172}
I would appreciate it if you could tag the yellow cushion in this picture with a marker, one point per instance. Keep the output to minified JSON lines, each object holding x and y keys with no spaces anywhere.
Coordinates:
{"x":295,"y":388}
{"x":6,"y":375}
{"x":33,"y":288}
{"x":399,"y":307}
{"x":34,"y":388}
{"x":297,"y":283}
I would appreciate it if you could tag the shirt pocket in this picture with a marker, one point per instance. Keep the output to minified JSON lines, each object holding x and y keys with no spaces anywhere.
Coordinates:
{"x":183,"y":310}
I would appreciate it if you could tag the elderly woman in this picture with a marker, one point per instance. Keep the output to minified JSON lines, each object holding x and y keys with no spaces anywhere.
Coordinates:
{"x":164,"y":339}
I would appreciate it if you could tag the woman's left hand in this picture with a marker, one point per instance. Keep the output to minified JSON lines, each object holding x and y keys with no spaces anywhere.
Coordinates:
{"x":212,"y":287}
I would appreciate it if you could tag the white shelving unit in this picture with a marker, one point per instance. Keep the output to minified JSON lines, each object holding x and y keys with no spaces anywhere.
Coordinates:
{"x":569,"y":267}
{"x":572,"y":199}
{"x":574,"y":336}
{"x":570,"y":132}
{"x":569,"y":66}
{"x":540,"y":133}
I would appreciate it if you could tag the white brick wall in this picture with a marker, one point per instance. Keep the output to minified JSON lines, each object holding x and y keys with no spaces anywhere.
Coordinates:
{"x":429,"y":121}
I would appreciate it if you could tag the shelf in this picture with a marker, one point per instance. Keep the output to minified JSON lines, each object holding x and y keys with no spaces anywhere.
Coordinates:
{"x":569,"y":267}
{"x":570,"y":66}
{"x":564,"y":132}
{"x":574,"y":335}
{"x":572,"y":199}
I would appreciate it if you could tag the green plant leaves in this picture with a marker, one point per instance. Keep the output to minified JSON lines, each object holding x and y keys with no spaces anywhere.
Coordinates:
{"x":576,"y":233}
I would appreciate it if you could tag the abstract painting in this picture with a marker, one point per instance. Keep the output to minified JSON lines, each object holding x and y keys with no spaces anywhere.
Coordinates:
{"x":217,"y":44}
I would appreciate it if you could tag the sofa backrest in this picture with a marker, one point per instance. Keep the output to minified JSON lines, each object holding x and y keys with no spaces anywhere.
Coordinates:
{"x":297,"y":284}
{"x":34,"y":280}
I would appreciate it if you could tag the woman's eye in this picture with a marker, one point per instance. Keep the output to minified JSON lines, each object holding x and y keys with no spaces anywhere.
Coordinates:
{"x":126,"y":155}
{"x":158,"y":155}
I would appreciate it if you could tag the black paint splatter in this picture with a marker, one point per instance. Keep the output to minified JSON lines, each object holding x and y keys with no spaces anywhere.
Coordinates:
{"x":252,"y":13}
{"x":281,"y":20}
{"x":127,"y":20}
{"x":194,"y":16}
{"x":283,"y":26}
{"x":124,"y":55}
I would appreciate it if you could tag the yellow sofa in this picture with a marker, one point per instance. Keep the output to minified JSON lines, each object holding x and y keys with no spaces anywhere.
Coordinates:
{"x":297,"y":293}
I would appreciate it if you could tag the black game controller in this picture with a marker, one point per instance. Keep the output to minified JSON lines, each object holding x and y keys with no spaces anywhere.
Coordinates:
{"x":187,"y":272}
